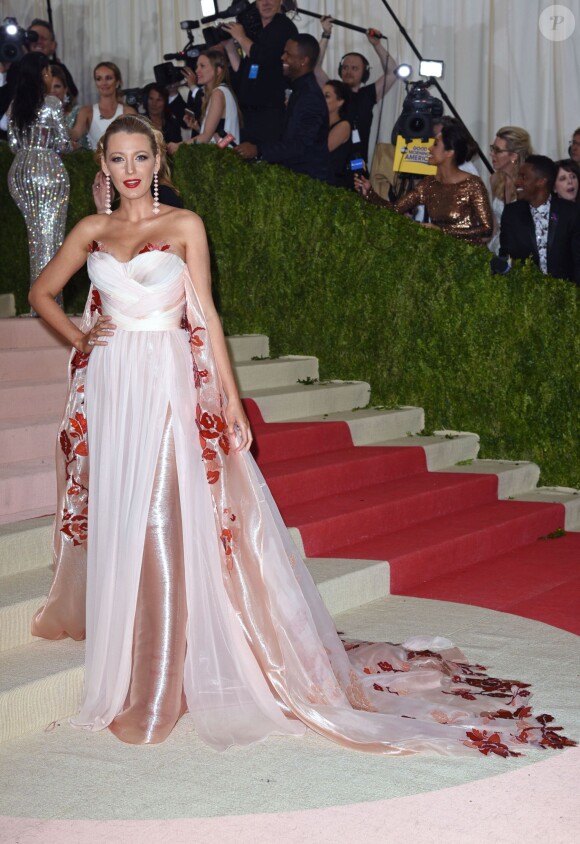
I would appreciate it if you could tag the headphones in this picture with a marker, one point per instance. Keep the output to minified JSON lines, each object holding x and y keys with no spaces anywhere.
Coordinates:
{"x":367,"y":66}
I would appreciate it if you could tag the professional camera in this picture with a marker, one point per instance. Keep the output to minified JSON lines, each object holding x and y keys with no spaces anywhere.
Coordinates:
{"x":14,"y":40}
{"x":133,"y":96}
{"x":420,"y":110}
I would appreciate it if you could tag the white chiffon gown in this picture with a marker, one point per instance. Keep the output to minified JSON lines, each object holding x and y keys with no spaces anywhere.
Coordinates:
{"x":196,"y":599}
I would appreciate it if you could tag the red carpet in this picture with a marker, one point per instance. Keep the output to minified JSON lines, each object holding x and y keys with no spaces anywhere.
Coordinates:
{"x":445,"y":535}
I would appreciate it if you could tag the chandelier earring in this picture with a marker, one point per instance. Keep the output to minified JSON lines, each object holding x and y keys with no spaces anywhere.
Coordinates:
{"x":108,"y":195}
{"x":156,"y":193}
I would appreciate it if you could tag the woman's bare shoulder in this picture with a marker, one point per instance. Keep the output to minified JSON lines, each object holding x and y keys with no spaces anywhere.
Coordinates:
{"x":188,"y":221}
{"x":93,"y":227}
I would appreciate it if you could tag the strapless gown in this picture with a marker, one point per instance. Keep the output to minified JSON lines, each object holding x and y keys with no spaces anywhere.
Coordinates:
{"x":196,"y":599}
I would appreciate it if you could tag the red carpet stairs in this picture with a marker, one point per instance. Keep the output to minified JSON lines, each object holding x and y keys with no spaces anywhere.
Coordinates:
{"x":357,"y":487}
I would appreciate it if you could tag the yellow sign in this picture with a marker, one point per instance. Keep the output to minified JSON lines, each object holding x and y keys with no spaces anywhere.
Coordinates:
{"x":412,"y":157}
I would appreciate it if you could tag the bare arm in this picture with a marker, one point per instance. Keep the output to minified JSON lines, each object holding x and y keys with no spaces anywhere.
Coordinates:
{"x":198,"y":264}
{"x":69,"y":258}
{"x":233,"y":54}
{"x":385,"y":82}
{"x":82,"y":123}
{"x":321,"y":75}
{"x":215,"y":111}
{"x":338,"y":135}
{"x":238,"y":33}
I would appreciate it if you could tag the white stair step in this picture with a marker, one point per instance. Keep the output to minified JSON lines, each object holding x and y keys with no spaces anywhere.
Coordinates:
{"x":567,"y":496}
{"x":27,"y":489}
{"x":34,"y":364}
{"x":347,"y":584}
{"x":7,"y":305}
{"x":39,"y":683}
{"x":27,"y":332}
{"x":25,"y":545}
{"x":26,"y":438}
{"x":441,"y":449}
{"x":273,"y":373}
{"x":299,"y":400}
{"x":32,"y":398}
{"x":513,"y":477}
{"x":21,"y":595}
{"x":371,"y":425}
{"x":247,"y":346}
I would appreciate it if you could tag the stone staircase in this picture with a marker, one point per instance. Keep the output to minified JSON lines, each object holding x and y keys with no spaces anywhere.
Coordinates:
{"x":40,"y":681}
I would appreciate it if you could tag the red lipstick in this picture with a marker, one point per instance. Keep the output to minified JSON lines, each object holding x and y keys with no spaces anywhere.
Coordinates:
{"x":132,"y":183}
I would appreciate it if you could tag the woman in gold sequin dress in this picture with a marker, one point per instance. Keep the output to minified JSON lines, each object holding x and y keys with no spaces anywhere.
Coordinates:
{"x":37,"y":180}
{"x":456,"y":202}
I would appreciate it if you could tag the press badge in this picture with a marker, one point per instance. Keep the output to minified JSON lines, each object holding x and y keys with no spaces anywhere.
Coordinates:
{"x":253,"y":74}
{"x":355,"y":137}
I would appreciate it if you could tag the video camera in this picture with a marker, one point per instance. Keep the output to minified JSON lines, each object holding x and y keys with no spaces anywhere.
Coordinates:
{"x":14,"y":40}
{"x":243,"y":11}
{"x":420,"y":111}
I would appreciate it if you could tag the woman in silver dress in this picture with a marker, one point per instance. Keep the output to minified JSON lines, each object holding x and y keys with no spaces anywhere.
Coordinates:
{"x":37,"y":180}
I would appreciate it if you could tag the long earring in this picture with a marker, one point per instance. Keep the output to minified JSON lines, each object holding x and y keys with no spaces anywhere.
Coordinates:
{"x":156,"y":194}
{"x":108,"y":195}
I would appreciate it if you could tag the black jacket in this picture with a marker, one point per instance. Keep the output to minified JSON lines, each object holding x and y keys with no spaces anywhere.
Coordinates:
{"x":259,"y":82}
{"x":518,"y":236}
{"x":304,"y":144}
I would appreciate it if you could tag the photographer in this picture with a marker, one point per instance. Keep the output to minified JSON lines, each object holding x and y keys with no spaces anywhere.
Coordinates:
{"x":257,"y":78}
{"x":354,"y":71}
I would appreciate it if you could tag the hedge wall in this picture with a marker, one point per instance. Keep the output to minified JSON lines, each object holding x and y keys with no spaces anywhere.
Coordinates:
{"x":414,"y":312}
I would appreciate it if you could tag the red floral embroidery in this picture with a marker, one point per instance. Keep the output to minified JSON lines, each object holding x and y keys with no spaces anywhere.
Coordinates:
{"x":196,"y":343}
{"x":486,"y":744}
{"x":228,"y":538}
{"x":79,"y":361}
{"x":212,"y":427}
{"x":194,"y":339}
{"x":96,"y":304}
{"x":73,"y":443}
{"x":154,"y":247}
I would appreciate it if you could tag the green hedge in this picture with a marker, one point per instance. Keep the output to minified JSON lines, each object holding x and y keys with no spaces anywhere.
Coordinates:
{"x":414,"y":312}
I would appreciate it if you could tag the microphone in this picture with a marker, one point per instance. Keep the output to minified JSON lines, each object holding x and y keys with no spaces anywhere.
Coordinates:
{"x":500,"y":266}
{"x":226,"y":140}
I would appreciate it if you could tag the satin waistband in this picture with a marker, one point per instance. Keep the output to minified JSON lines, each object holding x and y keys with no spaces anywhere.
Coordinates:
{"x":162,"y":322}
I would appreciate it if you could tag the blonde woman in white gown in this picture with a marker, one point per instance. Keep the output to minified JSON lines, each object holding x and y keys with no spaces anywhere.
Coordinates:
{"x":196,"y":599}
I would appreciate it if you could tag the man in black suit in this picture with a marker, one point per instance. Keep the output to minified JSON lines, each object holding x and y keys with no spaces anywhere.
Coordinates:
{"x":304,"y":143}
{"x":540,"y":225}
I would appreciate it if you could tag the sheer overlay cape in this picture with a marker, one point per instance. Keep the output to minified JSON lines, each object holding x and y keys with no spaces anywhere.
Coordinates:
{"x":263,"y":656}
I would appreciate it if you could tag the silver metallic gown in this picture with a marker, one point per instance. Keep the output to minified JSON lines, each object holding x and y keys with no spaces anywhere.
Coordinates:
{"x":38,"y":181}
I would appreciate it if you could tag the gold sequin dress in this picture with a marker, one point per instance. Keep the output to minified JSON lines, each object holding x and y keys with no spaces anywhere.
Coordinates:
{"x":38,"y":181}
{"x":461,"y":209}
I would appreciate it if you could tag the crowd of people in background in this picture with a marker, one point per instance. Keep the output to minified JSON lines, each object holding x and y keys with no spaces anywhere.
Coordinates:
{"x":267,"y":94}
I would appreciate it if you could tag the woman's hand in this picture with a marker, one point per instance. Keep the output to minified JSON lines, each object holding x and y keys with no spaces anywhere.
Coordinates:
{"x":100,"y":192}
{"x":103,"y":327}
{"x":191,"y":122}
{"x":362,"y":185}
{"x":190,"y":76}
{"x":238,"y":425}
